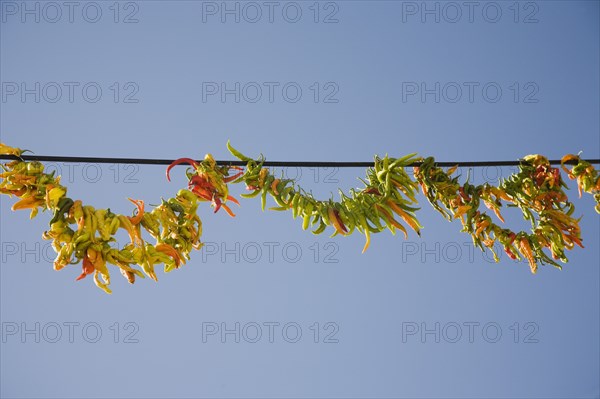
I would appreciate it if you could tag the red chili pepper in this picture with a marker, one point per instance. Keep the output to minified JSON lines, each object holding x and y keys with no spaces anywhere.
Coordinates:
{"x":539,"y":180}
{"x":180,"y":161}
{"x":556,"y":174}
{"x":216,"y":202}
{"x":88,"y":268}
{"x":464,"y":195}
{"x":202,"y":193}
{"x":510,"y":253}
{"x":232,"y":178}
{"x":372,"y":190}
{"x":339,"y":220}
{"x":200,"y":181}
{"x":575,"y":240}
{"x":512,"y":237}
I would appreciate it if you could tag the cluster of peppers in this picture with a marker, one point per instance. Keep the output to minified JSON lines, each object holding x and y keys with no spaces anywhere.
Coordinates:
{"x":588,"y":178}
{"x":81,"y":233}
{"x":537,"y":190}
{"x":388,"y":193}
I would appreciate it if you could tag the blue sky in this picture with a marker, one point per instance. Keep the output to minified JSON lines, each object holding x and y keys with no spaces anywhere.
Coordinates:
{"x":298,"y":81}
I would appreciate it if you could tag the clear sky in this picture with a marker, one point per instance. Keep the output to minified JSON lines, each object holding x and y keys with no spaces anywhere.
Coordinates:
{"x":426,"y":317}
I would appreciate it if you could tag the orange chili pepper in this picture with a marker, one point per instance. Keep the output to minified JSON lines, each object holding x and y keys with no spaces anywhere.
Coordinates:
{"x":170,"y":251}
{"x":140,"y":213}
{"x":228,"y":210}
{"x":233,"y":199}
{"x":405,"y":216}
{"x":391,"y":220}
{"x":274,"y":186}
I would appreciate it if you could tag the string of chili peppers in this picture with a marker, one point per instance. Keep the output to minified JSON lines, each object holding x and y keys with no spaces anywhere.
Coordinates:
{"x":388,"y":193}
{"x":82,"y":233}
{"x":537,"y":190}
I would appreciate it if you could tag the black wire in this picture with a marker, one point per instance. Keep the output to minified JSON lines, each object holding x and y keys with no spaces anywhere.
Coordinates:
{"x":145,"y":161}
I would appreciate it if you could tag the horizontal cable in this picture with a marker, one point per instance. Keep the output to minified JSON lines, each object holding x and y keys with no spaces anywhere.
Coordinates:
{"x":146,"y":161}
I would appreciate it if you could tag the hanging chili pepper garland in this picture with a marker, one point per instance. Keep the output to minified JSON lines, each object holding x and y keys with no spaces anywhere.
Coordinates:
{"x":537,"y":189}
{"x":388,"y":192}
{"x":81,"y":233}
